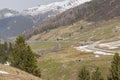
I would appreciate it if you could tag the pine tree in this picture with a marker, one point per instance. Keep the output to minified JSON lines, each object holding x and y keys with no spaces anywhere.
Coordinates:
{"x":3,"y":54}
{"x":115,"y":68}
{"x":10,"y":46}
{"x":23,"y":58}
{"x":97,"y":75}
{"x":6,"y":46}
{"x":84,"y":74}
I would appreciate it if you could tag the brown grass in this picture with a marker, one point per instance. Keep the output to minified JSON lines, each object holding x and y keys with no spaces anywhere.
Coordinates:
{"x":15,"y":74}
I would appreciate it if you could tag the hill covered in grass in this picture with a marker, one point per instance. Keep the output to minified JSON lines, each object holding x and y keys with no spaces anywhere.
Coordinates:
{"x":90,"y":31}
{"x":15,"y":74}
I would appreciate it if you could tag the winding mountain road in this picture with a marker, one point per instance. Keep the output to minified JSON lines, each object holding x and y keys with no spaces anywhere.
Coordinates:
{"x":92,"y":48}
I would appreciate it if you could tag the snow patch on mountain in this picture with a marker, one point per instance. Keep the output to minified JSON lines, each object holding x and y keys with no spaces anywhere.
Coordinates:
{"x":58,"y":7}
{"x":8,"y":15}
{"x":7,"y":12}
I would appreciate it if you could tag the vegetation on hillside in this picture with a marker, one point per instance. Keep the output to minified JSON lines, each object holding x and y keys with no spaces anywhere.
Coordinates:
{"x":115,"y":68}
{"x":22,"y":57}
{"x":5,"y":49}
{"x":84,"y":74}
{"x":96,"y":75}
{"x":19,"y":55}
{"x":3,"y":54}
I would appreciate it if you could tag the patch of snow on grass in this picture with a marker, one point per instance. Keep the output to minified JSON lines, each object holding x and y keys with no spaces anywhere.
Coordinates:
{"x":101,"y":53}
{"x":7,"y":63}
{"x":84,"y":49}
{"x":3,"y":72}
{"x":110,"y":45}
{"x":97,"y":56}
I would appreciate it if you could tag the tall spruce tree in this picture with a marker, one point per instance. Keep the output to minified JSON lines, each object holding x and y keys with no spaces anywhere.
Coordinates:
{"x":84,"y":74}
{"x":23,"y":58}
{"x":3,"y":54}
{"x":115,"y":68}
{"x":97,"y":75}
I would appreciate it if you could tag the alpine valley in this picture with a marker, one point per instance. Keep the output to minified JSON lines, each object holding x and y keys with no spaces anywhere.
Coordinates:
{"x":66,"y":40}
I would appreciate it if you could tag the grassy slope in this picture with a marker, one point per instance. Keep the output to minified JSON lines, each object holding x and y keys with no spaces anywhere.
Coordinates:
{"x":101,"y":30}
{"x":63,"y":65}
{"x":36,"y":46}
{"x":72,"y":34}
{"x":15,"y":74}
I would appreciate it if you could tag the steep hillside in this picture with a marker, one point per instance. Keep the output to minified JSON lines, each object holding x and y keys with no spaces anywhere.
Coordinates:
{"x":15,"y":74}
{"x":96,"y":10}
{"x":83,"y":31}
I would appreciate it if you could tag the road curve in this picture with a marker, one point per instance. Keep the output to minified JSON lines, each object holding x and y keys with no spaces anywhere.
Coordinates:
{"x":93,"y":47}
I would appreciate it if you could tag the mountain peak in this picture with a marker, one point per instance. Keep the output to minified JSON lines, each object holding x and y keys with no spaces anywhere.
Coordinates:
{"x":58,"y":7}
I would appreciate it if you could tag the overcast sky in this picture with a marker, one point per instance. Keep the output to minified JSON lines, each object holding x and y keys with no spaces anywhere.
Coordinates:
{"x":23,"y":4}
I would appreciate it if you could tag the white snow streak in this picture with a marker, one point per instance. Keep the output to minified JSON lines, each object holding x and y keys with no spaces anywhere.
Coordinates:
{"x":55,"y":7}
{"x":3,"y":72}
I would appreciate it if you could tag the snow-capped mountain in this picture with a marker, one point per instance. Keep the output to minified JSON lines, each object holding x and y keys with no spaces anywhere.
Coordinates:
{"x":5,"y":13}
{"x":13,"y":23}
{"x":56,"y":7}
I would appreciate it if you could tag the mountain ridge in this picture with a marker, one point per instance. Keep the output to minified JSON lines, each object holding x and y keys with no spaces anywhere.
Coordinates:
{"x":58,"y":7}
{"x":93,"y":11}
{"x":16,"y":24}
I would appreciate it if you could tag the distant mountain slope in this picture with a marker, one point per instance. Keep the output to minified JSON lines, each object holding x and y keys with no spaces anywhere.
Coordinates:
{"x":95,"y":10}
{"x":44,"y":12}
{"x":13,"y":23}
{"x":55,"y":7}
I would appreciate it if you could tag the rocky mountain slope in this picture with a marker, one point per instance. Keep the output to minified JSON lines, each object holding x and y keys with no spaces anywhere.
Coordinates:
{"x":15,"y":25}
{"x":12,"y":23}
{"x":93,"y":11}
